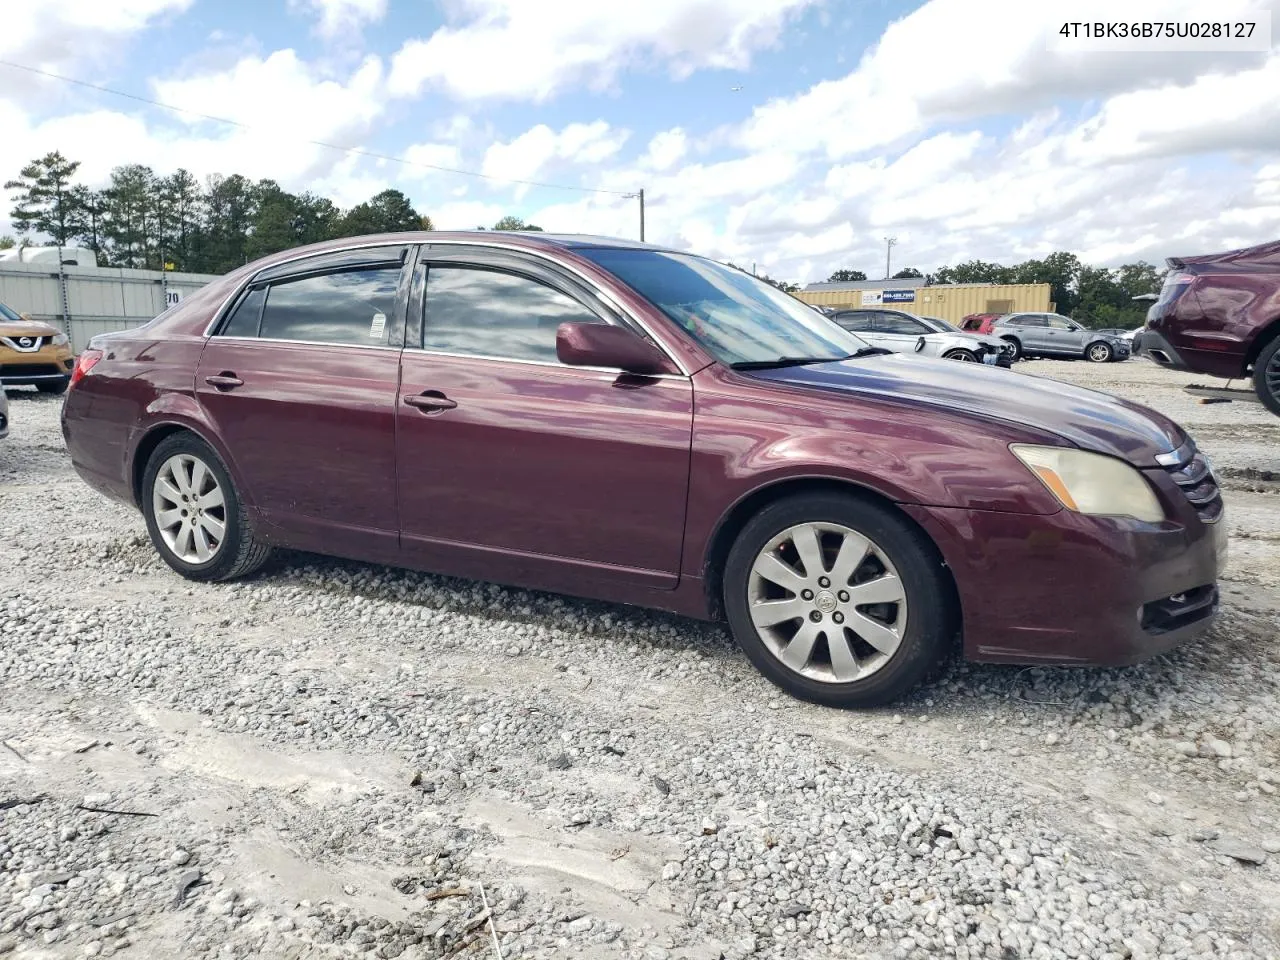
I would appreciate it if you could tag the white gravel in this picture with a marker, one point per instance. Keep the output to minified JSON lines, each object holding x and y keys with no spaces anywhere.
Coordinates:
{"x":342,"y":760}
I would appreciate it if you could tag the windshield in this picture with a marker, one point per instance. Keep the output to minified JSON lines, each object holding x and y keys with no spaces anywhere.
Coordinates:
{"x":736,"y":317}
{"x":7,"y":314}
{"x":940,"y":325}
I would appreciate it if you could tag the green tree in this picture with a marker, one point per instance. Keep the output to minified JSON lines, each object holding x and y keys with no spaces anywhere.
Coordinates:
{"x":7,"y":242}
{"x":229,"y":212}
{"x":910,"y":273}
{"x":46,"y":200}
{"x":388,"y":212}
{"x":92,"y":206}
{"x":846,"y":276}
{"x":1060,"y":270}
{"x":971,"y":271}
{"x":127,"y":215}
{"x":516,"y":223}
{"x":185,"y":241}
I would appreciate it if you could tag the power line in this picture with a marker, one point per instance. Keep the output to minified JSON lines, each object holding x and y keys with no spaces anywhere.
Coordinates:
{"x":357,"y":151}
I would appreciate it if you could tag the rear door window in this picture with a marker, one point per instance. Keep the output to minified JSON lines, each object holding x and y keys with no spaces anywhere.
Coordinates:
{"x":248,"y":314}
{"x":350,"y":307}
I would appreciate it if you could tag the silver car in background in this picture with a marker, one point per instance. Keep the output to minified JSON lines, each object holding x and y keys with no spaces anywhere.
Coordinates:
{"x":1053,"y":335}
{"x":904,"y":332}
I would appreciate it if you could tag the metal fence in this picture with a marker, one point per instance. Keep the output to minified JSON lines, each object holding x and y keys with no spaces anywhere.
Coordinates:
{"x":86,"y":301}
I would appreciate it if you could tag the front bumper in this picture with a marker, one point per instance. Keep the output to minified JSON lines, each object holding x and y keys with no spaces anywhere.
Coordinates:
{"x":46,"y":365}
{"x":1071,"y":589}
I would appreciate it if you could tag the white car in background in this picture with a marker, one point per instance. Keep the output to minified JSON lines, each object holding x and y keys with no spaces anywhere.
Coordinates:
{"x":904,"y":332}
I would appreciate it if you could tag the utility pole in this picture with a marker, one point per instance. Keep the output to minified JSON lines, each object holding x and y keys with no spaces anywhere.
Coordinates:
{"x":642,"y":214}
{"x":888,"y":255}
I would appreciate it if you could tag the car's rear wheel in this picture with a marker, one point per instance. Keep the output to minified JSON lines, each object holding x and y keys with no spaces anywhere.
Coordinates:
{"x":837,"y":601}
{"x":53,"y":386}
{"x":1100,"y":352}
{"x":194,"y":516}
{"x":963,"y":356}
{"x":1266,"y":376}
{"x":1016,"y":345}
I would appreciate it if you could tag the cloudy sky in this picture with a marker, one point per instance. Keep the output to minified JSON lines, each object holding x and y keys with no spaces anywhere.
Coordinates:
{"x":795,"y":134}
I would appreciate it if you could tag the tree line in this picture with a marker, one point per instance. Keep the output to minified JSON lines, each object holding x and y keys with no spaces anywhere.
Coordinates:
{"x":145,"y":220}
{"x":1094,"y":296}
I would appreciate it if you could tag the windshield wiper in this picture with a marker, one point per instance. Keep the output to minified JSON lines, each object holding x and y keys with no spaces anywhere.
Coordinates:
{"x":801,"y":361}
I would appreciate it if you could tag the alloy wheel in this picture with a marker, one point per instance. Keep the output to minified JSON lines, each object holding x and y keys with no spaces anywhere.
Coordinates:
{"x":961,"y":356}
{"x":1099,"y":353}
{"x":1271,"y":377}
{"x":827,"y":602}
{"x":190,"y":509}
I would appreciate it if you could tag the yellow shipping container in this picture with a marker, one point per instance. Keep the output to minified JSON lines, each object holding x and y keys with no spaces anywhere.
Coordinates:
{"x":951,"y":302}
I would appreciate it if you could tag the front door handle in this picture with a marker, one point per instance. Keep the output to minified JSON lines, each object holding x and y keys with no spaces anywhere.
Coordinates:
{"x":224,"y":381}
{"x":430,"y":401}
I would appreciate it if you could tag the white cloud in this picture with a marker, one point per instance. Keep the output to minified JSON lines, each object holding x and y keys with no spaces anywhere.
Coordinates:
{"x":432,"y":155}
{"x":518,"y":50}
{"x":47,"y":34}
{"x":302,"y":103}
{"x":666,"y":149}
{"x":337,"y":19}
{"x":525,"y":157}
{"x":951,"y":59}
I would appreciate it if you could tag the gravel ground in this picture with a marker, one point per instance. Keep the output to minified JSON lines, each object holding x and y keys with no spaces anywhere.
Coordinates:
{"x":340,"y":760}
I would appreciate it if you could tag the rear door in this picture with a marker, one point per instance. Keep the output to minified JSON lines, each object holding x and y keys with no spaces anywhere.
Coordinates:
{"x":865,"y":323}
{"x":1031,"y":329}
{"x":300,"y":382}
{"x":517,"y":468}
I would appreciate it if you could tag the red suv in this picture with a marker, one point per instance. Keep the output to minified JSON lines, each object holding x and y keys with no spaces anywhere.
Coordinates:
{"x":1219,"y":314}
{"x":980,"y":322}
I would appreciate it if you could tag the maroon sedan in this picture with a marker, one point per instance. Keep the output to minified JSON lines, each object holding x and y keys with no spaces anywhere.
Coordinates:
{"x":1219,"y":314}
{"x":623,"y":422}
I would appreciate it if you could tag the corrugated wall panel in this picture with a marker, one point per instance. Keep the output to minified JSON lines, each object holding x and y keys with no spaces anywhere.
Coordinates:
{"x":98,"y":299}
{"x":950,"y":303}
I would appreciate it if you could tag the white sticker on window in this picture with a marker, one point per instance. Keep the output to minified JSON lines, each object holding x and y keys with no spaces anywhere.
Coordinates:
{"x":375,"y":328}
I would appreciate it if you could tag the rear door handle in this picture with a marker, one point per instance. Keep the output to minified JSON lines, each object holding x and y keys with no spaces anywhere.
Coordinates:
{"x":224,"y":381}
{"x":430,"y":401}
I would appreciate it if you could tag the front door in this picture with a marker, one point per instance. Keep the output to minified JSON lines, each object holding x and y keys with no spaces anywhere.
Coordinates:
{"x":300,"y":383}
{"x":1067,"y":336}
{"x":516,"y":468}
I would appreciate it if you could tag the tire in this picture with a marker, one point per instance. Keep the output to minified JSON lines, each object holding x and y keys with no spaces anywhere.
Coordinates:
{"x":237,"y":553}
{"x":923,"y":622}
{"x":54,"y":387}
{"x":1099,"y":352}
{"x":962,"y":356}
{"x":1017,"y":347}
{"x":1266,"y":376}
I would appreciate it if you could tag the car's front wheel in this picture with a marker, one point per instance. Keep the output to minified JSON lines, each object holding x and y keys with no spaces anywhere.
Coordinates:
{"x":1100,"y":352}
{"x":837,"y":601}
{"x":963,"y":356}
{"x":54,"y":386}
{"x":1015,"y":346}
{"x":194,"y":516}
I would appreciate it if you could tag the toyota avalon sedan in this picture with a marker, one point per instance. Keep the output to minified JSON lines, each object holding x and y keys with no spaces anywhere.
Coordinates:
{"x":634,"y":424}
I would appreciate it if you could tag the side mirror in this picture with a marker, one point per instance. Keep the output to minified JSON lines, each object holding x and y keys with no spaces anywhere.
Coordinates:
{"x":25,"y":316}
{"x":604,"y":345}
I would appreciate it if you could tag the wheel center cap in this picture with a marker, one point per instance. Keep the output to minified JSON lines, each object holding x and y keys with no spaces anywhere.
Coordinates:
{"x":825,"y":601}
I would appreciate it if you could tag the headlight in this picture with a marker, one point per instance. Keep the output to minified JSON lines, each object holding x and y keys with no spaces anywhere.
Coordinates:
{"x":1091,"y":483}
{"x":60,"y":340}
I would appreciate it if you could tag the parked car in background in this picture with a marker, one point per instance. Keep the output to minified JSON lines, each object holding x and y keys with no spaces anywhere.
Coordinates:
{"x":979,"y":322}
{"x":640,"y":425}
{"x":1219,"y":314}
{"x":33,"y":354}
{"x":904,"y":332}
{"x":1056,"y":336}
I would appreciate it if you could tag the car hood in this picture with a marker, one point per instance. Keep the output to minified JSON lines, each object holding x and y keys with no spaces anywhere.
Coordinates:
{"x":1089,"y":419}
{"x":26,"y":328}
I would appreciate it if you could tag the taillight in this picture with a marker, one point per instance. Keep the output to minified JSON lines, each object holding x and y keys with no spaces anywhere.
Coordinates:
{"x":87,"y":360}
{"x":1175,"y":285}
